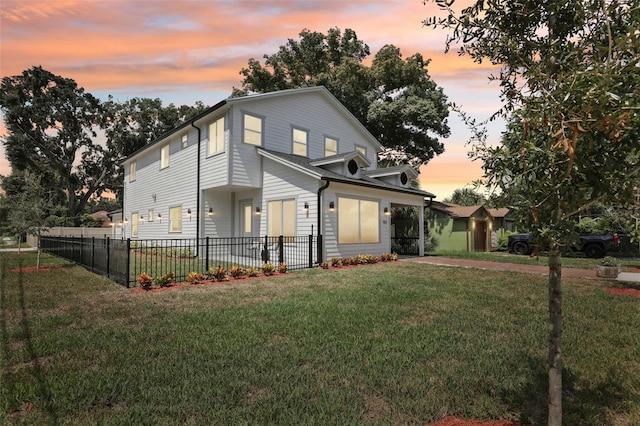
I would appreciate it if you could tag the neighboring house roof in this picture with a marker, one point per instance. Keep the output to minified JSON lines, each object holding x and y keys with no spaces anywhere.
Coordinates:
{"x":243,"y":99}
{"x":103,"y":216}
{"x":306,"y":166}
{"x":456,"y":211}
{"x":498,"y":213}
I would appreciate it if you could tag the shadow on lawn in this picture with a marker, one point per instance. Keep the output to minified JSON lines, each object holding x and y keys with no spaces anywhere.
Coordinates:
{"x":24,"y":336}
{"x":581,"y":405}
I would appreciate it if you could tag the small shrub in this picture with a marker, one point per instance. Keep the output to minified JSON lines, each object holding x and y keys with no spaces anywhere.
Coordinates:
{"x":237,"y":272}
{"x":165,"y":280}
{"x":268,"y":268}
{"x":283,"y":268}
{"x":218,"y":274}
{"x":324,"y":265}
{"x":385,"y":257}
{"x":609,"y":261}
{"x":252,"y":272}
{"x":144,"y":281}
{"x":336,"y":262}
{"x":394,"y":256}
{"x":195,"y":277}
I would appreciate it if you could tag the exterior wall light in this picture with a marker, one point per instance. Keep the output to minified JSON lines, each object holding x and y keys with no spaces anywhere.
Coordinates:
{"x":258,"y":211}
{"x":160,"y":217}
{"x":306,"y":206}
{"x":332,"y":206}
{"x":210,"y":213}
{"x":189,"y":214}
{"x":386,"y":211}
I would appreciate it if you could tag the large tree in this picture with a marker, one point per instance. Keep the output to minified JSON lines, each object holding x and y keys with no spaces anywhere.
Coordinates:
{"x":569,"y":73}
{"x":51,"y":125}
{"x":394,"y":98}
{"x":466,"y":197}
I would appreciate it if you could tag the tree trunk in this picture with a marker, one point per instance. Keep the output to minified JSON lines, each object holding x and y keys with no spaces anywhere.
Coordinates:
{"x":555,"y":336}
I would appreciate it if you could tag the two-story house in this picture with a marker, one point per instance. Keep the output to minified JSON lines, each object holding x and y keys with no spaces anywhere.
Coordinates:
{"x":292,"y":163}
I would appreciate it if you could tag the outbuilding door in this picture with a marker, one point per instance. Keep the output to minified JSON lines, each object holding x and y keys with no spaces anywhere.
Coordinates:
{"x":480,"y":236}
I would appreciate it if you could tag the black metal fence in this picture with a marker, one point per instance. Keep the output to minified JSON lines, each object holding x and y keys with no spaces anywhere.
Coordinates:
{"x":125,"y":260}
{"x":405,"y":245}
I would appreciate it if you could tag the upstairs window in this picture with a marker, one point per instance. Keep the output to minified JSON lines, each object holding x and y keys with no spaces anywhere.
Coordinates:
{"x":164,"y":157}
{"x":362,"y":150}
{"x":300,"y":142}
{"x":330,"y":146}
{"x":185,"y":140}
{"x":132,"y":171}
{"x":252,"y":133}
{"x":216,"y":137}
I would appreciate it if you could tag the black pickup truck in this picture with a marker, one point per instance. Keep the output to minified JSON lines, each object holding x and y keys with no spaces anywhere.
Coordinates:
{"x":593,"y":246}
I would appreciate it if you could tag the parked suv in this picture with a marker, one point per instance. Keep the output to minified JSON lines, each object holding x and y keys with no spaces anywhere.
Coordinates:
{"x":593,"y":246}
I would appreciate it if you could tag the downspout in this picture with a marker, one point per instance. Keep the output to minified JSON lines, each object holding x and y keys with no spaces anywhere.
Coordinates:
{"x":198,"y":193}
{"x":320,"y":217}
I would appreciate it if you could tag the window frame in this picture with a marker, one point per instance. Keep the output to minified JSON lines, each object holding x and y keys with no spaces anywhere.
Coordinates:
{"x":175,"y":219}
{"x":219,"y":145}
{"x":132,"y":171}
{"x":260,"y":133}
{"x":343,"y":216}
{"x":135,"y":222}
{"x":164,"y":157}
{"x":298,"y":143}
{"x":326,"y":150}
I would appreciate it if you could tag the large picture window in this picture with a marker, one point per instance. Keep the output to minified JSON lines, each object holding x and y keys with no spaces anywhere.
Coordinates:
{"x":175,"y":219}
{"x":358,"y":221}
{"x":216,"y":136}
{"x":300,"y":142}
{"x":252,"y":130}
{"x":281,"y":218}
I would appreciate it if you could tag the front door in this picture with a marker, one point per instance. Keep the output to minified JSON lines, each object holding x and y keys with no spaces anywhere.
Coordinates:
{"x":480,"y":236}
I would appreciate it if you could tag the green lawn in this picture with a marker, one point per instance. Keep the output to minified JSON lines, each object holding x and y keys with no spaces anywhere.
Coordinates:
{"x":391,"y":343}
{"x":569,"y":260}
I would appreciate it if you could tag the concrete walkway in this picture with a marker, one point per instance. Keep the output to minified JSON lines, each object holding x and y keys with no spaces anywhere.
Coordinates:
{"x":517,"y":267}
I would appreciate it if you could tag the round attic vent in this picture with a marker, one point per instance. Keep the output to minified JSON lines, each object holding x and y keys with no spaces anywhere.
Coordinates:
{"x":353,"y":167}
{"x":403,"y":178}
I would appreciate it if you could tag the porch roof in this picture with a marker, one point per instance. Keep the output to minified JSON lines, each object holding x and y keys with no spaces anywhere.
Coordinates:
{"x":303,"y":164}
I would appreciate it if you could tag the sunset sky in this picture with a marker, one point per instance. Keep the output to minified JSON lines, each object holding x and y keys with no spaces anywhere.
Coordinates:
{"x":183,"y":51}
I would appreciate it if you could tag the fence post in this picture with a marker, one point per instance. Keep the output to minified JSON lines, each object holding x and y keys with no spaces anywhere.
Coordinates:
{"x":108,"y":257}
{"x":206,"y":254}
{"x":310,"y":251}
{"x":319,"y":249}
{"x":280,"y":249}
{"x":128,"y":257}
{"x":265,"y":250}
{"x":93,"y":252}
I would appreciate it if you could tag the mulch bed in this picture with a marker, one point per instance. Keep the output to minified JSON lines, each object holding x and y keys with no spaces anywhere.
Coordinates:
{"x":624,"y":291}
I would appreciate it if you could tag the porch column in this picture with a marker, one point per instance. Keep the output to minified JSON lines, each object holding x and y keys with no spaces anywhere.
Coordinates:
{"x":421,"y":230}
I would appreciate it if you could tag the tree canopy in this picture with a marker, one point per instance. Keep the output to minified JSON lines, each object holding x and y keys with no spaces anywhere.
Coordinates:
{"x":70,"y":141}
{"x":394,"y":98}
{"x":466,"y":197}
{"x":569,"y":73}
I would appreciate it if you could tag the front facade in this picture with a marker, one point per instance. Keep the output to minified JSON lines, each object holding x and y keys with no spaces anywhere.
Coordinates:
{"x":287,"y":163}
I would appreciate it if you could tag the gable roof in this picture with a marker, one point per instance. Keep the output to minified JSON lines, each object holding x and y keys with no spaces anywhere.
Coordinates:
{"x":304,"y":165}
{"x":496,"y":213}
{"x":455,"y":211}
{"x":243,"y":99}
{"x":393,"y":170}
{"x":319,"y":89}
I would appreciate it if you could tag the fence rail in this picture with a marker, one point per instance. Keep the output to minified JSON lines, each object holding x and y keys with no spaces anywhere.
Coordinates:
{"x":124,"y":260}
